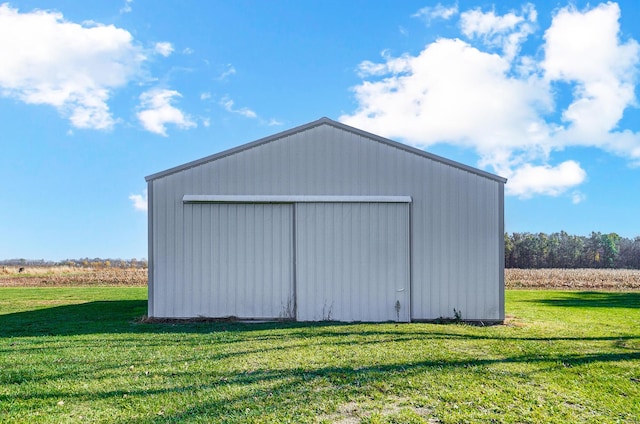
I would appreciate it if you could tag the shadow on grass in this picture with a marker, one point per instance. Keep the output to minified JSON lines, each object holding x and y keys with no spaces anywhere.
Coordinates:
{"x":83,"y":318}
{"x":590,"y":299}
{"x":123,"y":317}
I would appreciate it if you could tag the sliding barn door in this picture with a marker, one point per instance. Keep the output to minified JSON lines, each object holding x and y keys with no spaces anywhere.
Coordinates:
{"x":352,"y":261}
{"x":240,"y":260}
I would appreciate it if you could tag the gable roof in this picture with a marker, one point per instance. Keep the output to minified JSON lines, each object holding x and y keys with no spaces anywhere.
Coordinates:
{"x":335,"y":124}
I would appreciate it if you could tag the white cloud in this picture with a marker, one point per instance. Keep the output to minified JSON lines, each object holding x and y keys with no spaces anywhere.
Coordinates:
{"x":227,"y":73}
{"x":140,"y":201}
{"x":227,"y":103}
{"x":274,"y":122}
{"x":585,"y":49}
{"x":578,"y":197}
{"x":549,"y":180}
{"x":438,"y":11}
{"x":157,"y":111}
{"x":164,"y":48}
{"x":506,"y":32}
{"x":48,"y":60}
{"x":205,"y":96}
{"x":127,"y":7}
{"x":451,"y":92}
{"x":489,"y":97}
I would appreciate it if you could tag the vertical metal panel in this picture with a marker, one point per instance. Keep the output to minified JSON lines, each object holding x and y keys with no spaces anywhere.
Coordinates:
{"x":456,"y":228}
{"x":238,"y":262}
{"x":150,"y":261}
{"x":501,"y":287}
{"x":352,"y":261}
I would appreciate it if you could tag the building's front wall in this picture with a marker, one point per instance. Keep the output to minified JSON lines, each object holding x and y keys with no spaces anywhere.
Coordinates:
{"x":456,"y":216}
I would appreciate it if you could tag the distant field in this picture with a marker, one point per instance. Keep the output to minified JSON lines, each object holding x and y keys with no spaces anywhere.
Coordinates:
{"x":573,"y":279}
{"x":81,"y":354}
{"x":61,"y":276}
{"x":577,"y":279}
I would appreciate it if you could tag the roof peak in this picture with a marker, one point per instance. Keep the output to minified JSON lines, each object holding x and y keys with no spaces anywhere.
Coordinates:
{"x":336,"y":124}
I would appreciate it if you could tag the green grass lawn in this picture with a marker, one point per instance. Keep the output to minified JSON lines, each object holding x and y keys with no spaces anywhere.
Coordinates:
{"x":79,"y":355}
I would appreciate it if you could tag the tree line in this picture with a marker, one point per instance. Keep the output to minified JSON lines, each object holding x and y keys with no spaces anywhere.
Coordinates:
{"x":562,"y":250}
{"x":521,"y":250}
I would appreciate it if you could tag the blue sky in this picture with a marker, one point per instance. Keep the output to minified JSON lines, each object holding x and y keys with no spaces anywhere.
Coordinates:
{"x":94,"y":96}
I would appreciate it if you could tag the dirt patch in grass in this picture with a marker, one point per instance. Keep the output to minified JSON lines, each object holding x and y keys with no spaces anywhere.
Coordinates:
{"x":393,"y":410}
{"x":513,"y":321}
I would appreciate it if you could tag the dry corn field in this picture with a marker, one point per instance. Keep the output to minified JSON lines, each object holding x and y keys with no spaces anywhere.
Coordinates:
{"x":573,"y":279}
{"x":71,"y":276}
{"x":576,"y":279}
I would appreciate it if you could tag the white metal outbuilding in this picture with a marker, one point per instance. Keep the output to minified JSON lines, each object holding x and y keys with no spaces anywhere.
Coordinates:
{"x":326,"y":222}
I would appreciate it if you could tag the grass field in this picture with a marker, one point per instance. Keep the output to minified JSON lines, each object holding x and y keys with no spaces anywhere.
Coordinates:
{"x":81,"y":355}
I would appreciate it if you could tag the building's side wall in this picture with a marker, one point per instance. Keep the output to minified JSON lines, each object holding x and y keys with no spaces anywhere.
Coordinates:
{"x":456,"y":233}
{"x":151,"y":247}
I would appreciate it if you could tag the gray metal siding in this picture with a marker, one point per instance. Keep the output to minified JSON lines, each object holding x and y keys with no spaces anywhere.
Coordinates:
{"x":501,"y":285}
{"x":335,"y":124}
{"x":352,"y":261}
{"x":150,"y":233}
{"x":456,"y":228}
{"x":455,"y":248}
{"x":237,"y":262}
